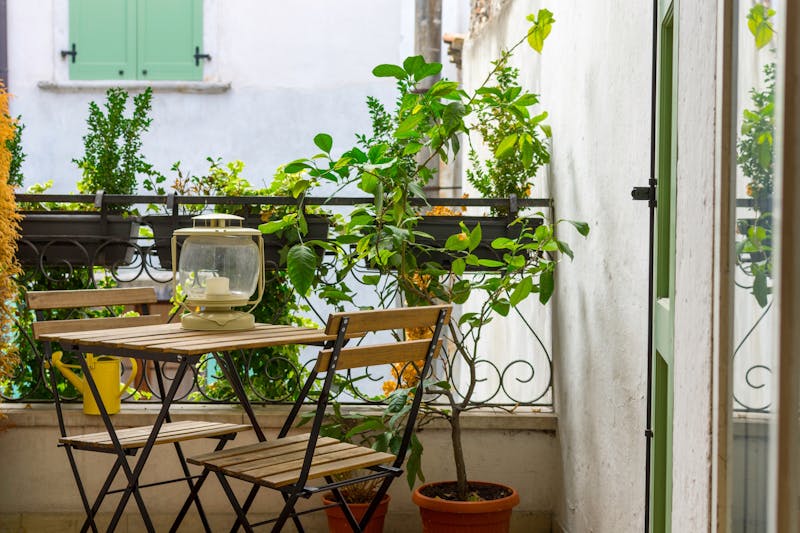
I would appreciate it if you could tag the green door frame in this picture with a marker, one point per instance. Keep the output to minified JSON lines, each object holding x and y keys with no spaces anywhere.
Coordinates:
{"x":664,"y":245}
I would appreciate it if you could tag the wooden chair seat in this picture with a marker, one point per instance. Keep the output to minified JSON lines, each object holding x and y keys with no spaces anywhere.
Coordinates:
{"x":136,"y":437}
{"x":278,"y":463}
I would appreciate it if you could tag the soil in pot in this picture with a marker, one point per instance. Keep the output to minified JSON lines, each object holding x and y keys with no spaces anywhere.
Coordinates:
{"x":442,"y":515}
{"x":337,"y":523}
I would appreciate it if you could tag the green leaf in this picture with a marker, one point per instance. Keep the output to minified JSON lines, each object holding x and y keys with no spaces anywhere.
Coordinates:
{"x":503,"y":243}
{"x":272,"y":226}
{"x":526,"y":100}
{"x":542,"y":24}
{"x":413,"y":63}
{"x":324,"y":142}
{"x":501,"y":307}
{"x":372,"y":424}
{"x":389,"y":71}
{"x":296,"y":166}
{"x":760,"y":288}
{"x":582,"y":227}
{"x":565,"y":249}
{"x":460,"y":291}
{"x":475,"y":237}
{"x":546,"y":286}
{"x":457,"y":242}
{"x":527,"y":151}
{"x":442,"y":87}
{"x":412,"y":148}
{"x":371,"y":279}
{"x":491,"y":263}
{"x":368,"y":183}
{"x":458,"y":266}
{"x":522,"y":291}
{"x":547,"y":130}
{"x":408,"y":128}
{"x":414,"y":463}
{"x":301,"y":264}
{"x":426,"y":70}
{"x":506,"y":145}
{"x":759,"y":24}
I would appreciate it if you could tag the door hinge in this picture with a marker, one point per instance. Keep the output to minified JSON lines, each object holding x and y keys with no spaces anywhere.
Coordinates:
{"x":198,"y":56}
{"x":645,"y":193}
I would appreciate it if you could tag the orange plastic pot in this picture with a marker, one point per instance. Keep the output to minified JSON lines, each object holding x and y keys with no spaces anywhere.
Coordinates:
{"x":446,"y":516}
{"x":337,"y":523}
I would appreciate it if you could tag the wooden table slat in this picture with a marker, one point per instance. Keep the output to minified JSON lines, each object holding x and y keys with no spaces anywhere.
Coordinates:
{"x":172,"y":339}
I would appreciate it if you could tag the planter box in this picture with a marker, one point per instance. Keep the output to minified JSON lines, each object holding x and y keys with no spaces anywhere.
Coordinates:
{"x":77,"y":239}
{"x":442,"y":227}
{"x":164,"y":226}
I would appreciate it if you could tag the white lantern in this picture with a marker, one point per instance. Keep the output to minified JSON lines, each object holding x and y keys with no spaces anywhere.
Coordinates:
{"x":221,"y":266}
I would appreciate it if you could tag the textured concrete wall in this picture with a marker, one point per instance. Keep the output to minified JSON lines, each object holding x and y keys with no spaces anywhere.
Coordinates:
{"x":295,"y":69}
{"x":39,"y":494}
{"x":594,"y":79}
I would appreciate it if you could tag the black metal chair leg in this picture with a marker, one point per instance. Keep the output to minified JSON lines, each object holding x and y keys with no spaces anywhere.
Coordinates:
{"x":246,"y":507}
{"x":348,"y":514}
{"x":288,"y":510}
{"x":193,"y":495}
{"x":90,"y":514}
{"x":376,"y":501}
{"x":81,"y":490}
{"x":295,"y":518}
{"x":234,"y":503}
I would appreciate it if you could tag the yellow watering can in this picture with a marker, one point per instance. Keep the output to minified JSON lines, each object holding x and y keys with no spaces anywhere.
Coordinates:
{"x":105,"y":371}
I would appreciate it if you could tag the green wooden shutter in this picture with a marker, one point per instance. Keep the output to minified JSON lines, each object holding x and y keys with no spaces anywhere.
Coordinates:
{"x":168,"y":33}
{"x":104,"y":34}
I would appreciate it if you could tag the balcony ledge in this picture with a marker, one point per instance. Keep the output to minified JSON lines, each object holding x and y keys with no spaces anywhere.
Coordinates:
{"x":271,"y":416}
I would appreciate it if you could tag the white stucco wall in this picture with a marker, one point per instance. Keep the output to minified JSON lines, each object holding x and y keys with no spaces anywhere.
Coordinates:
{"x":295,"y":69}
{"x":594,"y":79}
{"x":694,"y":276}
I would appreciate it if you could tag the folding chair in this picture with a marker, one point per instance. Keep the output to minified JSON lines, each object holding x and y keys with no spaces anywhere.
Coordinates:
{"x":288,"y":463}
{"x":131,"y":439}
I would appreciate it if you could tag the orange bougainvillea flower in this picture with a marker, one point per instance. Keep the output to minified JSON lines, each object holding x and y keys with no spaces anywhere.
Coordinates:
{"x":9,"y":220}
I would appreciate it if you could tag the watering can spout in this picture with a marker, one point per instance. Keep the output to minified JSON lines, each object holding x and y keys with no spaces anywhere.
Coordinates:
{"x":105,"y":373}
{"x":64,"y":368}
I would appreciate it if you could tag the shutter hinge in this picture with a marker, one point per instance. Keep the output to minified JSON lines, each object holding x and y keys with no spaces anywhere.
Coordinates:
{"x":73,"y":52}
{"x":198,"y":56}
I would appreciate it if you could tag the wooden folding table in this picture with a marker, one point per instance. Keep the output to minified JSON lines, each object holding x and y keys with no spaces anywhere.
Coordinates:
{"x":170,"y":343}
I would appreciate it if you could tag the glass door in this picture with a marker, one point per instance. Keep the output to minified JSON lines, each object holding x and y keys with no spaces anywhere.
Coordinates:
{"x":753,"y":361}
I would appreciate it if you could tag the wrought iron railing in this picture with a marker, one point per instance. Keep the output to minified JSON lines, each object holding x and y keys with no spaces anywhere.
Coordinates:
{"x":63,"y":261}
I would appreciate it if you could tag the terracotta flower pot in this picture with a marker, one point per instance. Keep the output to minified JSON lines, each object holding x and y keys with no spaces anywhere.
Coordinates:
{"x":446,"y":516}
{"x":337,"y":523}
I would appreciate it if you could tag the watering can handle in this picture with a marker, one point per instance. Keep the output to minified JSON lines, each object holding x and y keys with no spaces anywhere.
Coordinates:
{"x":134,"y":368}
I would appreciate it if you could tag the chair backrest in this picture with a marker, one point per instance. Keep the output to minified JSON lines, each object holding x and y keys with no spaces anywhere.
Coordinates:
{"x":341,"y":357}
{"x":41,"y":301}
{"x":48,"y":300}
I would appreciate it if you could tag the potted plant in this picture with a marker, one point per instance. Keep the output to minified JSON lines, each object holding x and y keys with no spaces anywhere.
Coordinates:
{"x":78,"y":234}
{"x":227,"y":180}
{"x":386,"y":233}
{"x":9,"y":218}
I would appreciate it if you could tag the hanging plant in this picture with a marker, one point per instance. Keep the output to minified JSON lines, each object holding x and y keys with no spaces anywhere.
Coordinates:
{"x":9,"y":219}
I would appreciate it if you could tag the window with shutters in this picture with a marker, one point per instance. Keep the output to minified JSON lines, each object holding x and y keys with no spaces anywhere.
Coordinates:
{"x":136,"y":39}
